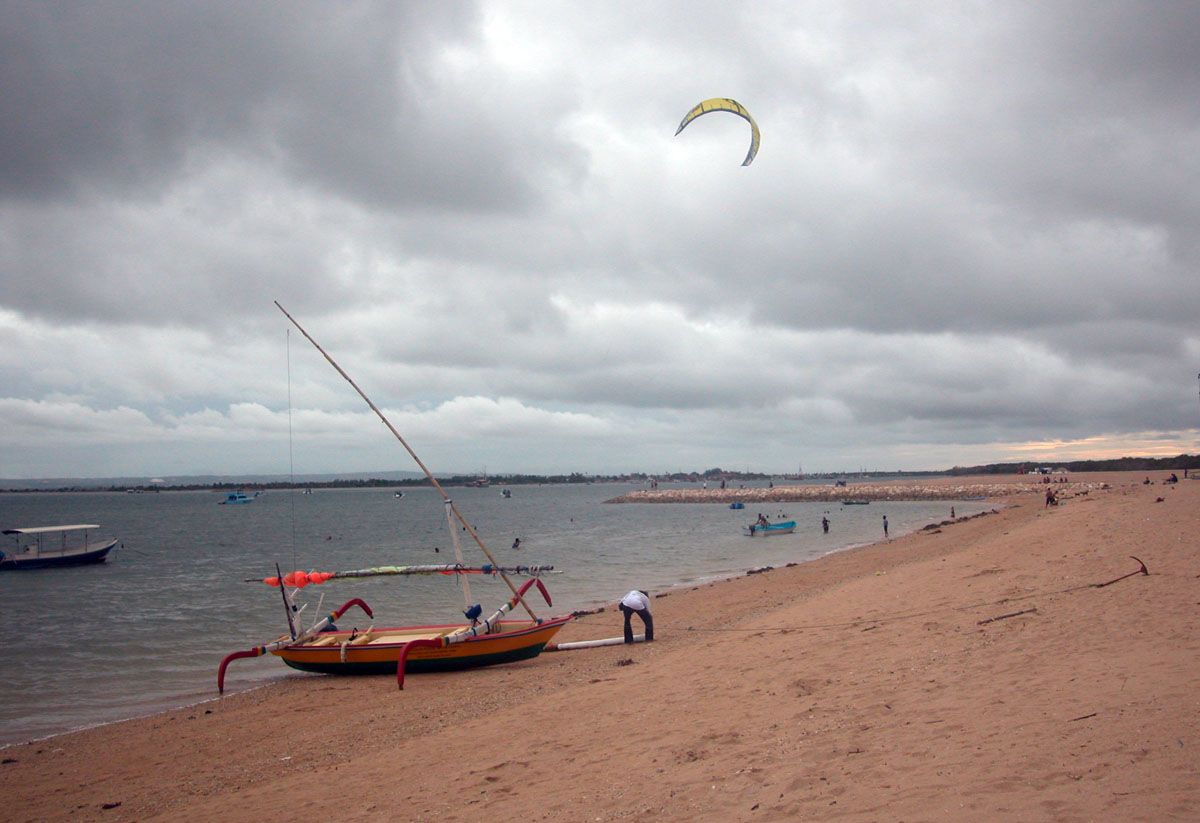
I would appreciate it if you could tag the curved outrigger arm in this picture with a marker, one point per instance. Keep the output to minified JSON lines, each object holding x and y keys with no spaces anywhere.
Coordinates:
{"x":487,"y":625}
{"x":482,"y":627}
{"x":316,"y":629}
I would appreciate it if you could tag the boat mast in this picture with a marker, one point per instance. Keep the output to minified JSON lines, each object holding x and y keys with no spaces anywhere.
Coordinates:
{"x":287,"y":604}
{"x":428,"y":474}
{"x":458,"y":555}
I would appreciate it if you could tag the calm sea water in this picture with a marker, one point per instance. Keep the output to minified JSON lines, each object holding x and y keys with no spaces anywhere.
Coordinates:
{"x":146,"y":630}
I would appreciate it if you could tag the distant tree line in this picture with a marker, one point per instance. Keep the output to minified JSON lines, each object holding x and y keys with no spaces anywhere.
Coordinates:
{"x":1119,"y":464}
{"x":1177,"y":463}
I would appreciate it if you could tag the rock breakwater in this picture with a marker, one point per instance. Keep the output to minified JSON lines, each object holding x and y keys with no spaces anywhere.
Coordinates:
{"x":861,"y":491}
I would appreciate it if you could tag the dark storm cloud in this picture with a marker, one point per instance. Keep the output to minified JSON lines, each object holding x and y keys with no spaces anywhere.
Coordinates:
{"x":968,"y":226}
{"x":347,"y":97}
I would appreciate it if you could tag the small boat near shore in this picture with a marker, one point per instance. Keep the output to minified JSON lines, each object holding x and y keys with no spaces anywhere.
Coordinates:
{"x":856,"y":502}
{"x":780,"y":527}
{"x":481,"y":641}
{"x":36,"y":549}
{"x":238,"y":498}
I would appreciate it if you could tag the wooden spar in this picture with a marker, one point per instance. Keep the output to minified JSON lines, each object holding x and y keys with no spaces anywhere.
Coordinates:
{"x":386,"y":571}
{"x":428,"y":474}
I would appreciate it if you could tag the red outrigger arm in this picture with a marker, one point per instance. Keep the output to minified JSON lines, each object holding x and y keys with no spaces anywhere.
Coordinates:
{"x":425,"y":643}
{"x":483,"y":627}
{"x":316,"y":629}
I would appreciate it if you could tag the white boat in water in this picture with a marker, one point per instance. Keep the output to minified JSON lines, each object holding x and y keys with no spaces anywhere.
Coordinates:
{"x":37,"y":548}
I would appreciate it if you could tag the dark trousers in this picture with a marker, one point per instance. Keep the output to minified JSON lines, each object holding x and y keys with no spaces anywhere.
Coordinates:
{"x":647,"y":619}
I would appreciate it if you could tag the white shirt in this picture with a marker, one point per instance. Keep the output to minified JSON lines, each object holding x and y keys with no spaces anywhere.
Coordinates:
{"x":636,"y":600}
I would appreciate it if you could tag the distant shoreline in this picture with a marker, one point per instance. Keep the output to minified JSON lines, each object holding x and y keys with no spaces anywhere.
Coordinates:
{"x":1003,"y":472}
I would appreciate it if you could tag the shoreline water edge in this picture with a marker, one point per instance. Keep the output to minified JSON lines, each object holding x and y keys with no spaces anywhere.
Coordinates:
{"x":182,"y":555}
{"x":975,"y":666}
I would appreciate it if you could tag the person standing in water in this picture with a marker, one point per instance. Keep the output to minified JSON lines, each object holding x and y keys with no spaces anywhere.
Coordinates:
{"x":825,"y":525}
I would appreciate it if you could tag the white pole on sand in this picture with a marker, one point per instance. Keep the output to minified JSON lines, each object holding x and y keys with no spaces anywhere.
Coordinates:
{"x":591,"y":644}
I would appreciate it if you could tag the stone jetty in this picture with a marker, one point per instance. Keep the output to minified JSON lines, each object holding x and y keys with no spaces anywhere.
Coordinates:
{"x":903,"y":490}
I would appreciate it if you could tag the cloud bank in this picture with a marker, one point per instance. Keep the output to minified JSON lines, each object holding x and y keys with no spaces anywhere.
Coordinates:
{"x":968,"y":235}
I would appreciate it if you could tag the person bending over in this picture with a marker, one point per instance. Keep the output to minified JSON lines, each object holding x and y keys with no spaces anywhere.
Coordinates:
{"x":637,"y":602}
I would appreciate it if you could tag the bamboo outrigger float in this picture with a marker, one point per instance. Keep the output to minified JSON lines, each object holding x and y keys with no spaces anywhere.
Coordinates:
{"x":482,"y":642}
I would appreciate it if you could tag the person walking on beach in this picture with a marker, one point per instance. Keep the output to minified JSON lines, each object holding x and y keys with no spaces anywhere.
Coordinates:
{"x":885,"y":526}
{"x":637,"y":602}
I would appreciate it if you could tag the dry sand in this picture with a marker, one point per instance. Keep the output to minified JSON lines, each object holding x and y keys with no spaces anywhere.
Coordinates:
{"x":863,"y":686}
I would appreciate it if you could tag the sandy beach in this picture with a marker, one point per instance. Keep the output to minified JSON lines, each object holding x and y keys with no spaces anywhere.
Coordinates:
{"x":969,"y":670}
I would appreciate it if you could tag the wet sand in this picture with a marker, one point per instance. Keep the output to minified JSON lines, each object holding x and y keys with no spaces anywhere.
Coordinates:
{"x":971,"y":669}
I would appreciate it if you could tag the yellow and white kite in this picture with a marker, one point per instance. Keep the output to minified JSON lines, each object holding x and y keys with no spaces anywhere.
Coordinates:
{"x":732,"y":106}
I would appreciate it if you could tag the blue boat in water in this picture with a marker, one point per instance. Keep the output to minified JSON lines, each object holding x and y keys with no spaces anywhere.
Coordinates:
{"x":737,"y":505}
{"x":234,"y":498}
{"x":34,"y":548}
{"x":767,"y":529}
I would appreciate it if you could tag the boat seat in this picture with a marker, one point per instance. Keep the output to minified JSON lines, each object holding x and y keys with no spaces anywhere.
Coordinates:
{"x":327,"y":640}
{"x":404,"y":638}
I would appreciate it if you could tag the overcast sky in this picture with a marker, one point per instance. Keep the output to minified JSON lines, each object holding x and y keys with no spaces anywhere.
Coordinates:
{"x":970,"y":235}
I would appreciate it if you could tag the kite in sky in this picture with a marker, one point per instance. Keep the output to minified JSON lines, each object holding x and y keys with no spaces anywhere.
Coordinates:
{"x":732,"y":106}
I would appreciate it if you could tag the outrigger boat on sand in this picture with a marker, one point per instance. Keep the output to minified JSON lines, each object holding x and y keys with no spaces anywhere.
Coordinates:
{"x":378,"y":651}
{"x":480,"y":642}
{"x":326,"y":650}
